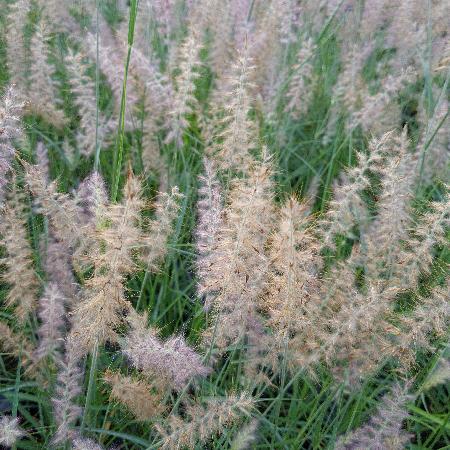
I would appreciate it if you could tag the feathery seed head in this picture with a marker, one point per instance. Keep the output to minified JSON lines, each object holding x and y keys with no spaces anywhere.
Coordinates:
{"x":10,"y":431}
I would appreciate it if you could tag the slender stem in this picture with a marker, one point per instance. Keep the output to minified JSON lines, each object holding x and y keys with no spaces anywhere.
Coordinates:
{"x":118,"y":155}
{"x":97,"y":146}
{"x":91,"y":385}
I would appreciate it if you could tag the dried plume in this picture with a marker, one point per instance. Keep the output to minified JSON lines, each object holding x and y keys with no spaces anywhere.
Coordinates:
{"x":10,"y":432}
{"x":385,"y":234}
{"x":61,"y":209}
{"x":203,"y":422}
{"x":56,"y":258}
{"x":420,"y":328}
{"x":184,"y":101}
{"x":209,"y":222}
{"x":416,"y":255}
{"x":19,"y":272}
{"x":111,"y":57}
{"x":246,"y":436}
{"x":10,"y":129}
{"x":378,"y":112}
{"x":159,"y":229}
{"x":42,"y":94}
{"x":171,"y":360}
{"x":70,"y":377}
{"x":16,"y":53}
{"x":92,"y":198}
{"x":433,"y":149}
{"x":384,"y":430}
{"x":300,"y":90}
{"x":347,"y":208}
{"x":239,"y":131}
{"x":239,"y":269}
{"x":51,"y":312}
{"x":16,"y":344}
{"x":118,"y":245}
{"x":83,"y":88}
{"x":440,"y":375}
{"x":82,"y":443}
{"x":293,"y":281}
{"x":142,"y":399}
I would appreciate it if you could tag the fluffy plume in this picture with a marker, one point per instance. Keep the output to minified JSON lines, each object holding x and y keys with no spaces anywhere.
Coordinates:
{"x":119,"y":243}
{"x":300,"y":91}
{"x":10,"y":111}
{"x":348,"y":88}
{"x":51,"y":313}
{"x":60,"y":208}
{"x":220,"y":21}
{"x":347,"y":208}
{"x":184,"y":101}
{"x":92,"y":197}
{"x":157,"y":102}
{"x":57,"y":15}
{"x":203,"y":421}
{"x":440,"y":375}
{"x":116,"y":236}
{"x":266,"y":44}
{"x":57,"y":263}
{"x":42,"y":160}
{"x":384,"y":429}
{"x":144,"y":400}
{"x":239,"y":134}
{"x":293,"y":282}
{"x":240,"y":266}
{"x":16,"y":344}
{"x":390,"y":227}
{"x":418,"y":329}
{"x":16,"y":55}
{"x":111,"y":57}
{"x":154,"y":243}
{"x":246,"y":436}
{"x":209,"y":222}
{"x":43,"y":88}
{"x":432,"y":150}
{"x":172,"y":360}
{"x":81,"y":443}
{"x":377,"y":111}
{"x":163,"y":14}
{"x":10,"y":432}
{"x":68,"y":388}
{"x":19,"y":273}
{"x":83,"y":88}
{"x":411,"y":28}
{"x":351,"y":330}
{"x":417,"y":255}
